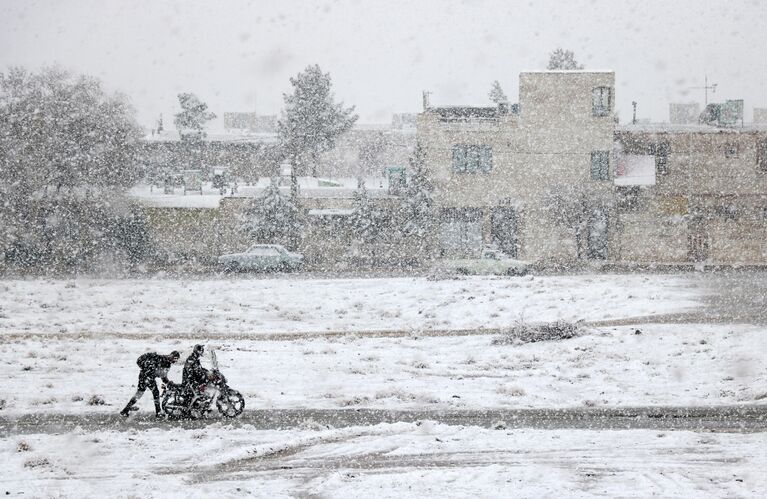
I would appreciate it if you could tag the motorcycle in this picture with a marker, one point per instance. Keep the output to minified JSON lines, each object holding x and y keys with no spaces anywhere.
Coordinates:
{"x":181,"y":402}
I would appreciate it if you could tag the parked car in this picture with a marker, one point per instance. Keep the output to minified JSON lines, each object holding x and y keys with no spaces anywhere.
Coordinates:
{"x":491,"y":261}
{"x":263,"y":257}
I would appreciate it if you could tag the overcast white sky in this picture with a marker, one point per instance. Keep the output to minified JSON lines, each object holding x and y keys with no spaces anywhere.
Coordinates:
{"x":238,"y":55}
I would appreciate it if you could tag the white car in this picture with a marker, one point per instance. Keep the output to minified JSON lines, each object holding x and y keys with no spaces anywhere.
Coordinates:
{"x":263,"y":257}
{"x":492,"y":261}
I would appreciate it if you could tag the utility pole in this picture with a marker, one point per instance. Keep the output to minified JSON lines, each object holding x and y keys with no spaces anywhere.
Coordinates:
{"x":634,"y":120}
{"x":705,"y":87}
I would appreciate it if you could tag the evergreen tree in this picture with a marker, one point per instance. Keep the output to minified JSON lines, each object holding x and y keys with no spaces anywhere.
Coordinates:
{"x":496,"y":93}
{"x":190,"y":123}
{"x":193,"y":116}
{"x":311,"y":121}
{"x":363,"y":221}
{"x":419,"y":203}
{"x":563,"y":59}
{"x":272,"y":217}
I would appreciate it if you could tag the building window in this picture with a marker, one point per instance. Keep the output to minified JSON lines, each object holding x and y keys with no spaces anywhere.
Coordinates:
{"x":628,"y":197}
{"x":731,"y":150}
{"x":472,"y":158}
{"x":600,"y":165}
{"x":600,"y":101}
{"x":661,"y":150}
{"x":761,"y":155}
{"x":726,"y":211}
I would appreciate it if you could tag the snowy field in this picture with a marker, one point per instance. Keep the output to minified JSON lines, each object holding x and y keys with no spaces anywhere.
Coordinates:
{"x":665,"y":365}
{"x":399,"y":343}
{"x":426,"y":460}
{"x":62,"y":339}
{"x":238,"y":307}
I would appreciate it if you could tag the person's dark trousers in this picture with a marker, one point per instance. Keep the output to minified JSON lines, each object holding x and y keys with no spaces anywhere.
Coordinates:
{"x":145,"y":380}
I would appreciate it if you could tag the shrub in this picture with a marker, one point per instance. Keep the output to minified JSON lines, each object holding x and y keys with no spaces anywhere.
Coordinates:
{"x":36,"y":462}
{"x":522,"y":332}
{"x":96,"y":400}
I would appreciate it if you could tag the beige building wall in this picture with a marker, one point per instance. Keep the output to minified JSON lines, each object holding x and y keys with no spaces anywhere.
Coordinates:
{"x":546,"y":147}
{"x":710,"y":204}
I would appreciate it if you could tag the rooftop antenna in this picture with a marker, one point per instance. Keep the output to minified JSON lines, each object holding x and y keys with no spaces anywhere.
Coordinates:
{"x":705,"y":87}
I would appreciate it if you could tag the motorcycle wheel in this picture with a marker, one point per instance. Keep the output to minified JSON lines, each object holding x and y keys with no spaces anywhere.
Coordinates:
{"x":199,"y":408}
{"x":231,"y":405}
{"x":174,"y":404}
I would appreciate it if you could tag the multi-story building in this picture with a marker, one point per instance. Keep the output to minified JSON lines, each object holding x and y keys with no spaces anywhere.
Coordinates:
{"x":534,"y":178}
{"x":706,"y":198}
{"x":555,"y":179}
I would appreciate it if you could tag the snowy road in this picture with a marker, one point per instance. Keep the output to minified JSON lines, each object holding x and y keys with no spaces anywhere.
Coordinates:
{"x":424,"y":460}
{"x":721,"y":419}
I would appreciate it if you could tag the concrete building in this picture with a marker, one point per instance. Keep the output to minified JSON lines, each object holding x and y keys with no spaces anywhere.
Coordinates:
{"x":552,"y":179}
{"x":708,"y":200}
{"x":684,"y":114}
{"x":251,"y":122}
{"x":538,"y":183}
{"x":560,"y":181}
{"x":366,"y":150}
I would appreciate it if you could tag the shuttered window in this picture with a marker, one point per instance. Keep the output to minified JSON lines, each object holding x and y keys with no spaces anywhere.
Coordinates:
{"x":600,"y":165}
{"x":600,"y":101}
{"x":472,"y":158}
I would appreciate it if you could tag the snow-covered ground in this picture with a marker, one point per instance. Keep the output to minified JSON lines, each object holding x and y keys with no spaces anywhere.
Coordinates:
{"x":390,"y":460}
{"x":665,"y":365}
{"x":210,"y":308}
{"x":396,"y":343}
{"x":63,"y":338}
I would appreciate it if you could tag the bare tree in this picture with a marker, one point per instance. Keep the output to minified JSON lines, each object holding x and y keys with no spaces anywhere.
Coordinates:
{"x":563,"y":59}
{"x":569,"y":208}
{"x":370,"y":149}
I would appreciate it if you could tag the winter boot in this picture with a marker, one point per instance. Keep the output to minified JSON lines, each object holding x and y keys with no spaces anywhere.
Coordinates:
{"x":158,"y":411}
{"x":129,"y":408}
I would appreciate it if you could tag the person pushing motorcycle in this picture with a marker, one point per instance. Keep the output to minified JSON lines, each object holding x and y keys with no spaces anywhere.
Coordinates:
{"x":152,"y":366}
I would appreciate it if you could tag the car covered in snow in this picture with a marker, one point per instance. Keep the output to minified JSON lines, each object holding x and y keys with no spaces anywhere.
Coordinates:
{"x":262,"y":257}
{"x":491,"y":261}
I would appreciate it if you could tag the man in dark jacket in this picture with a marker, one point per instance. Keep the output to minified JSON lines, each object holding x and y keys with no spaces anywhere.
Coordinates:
{"x":194,"y":374}
{"x":152,"y":366}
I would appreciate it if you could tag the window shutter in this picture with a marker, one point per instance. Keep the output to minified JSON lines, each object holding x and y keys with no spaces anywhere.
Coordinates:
{"x":459,"y":158}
